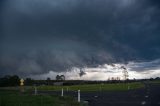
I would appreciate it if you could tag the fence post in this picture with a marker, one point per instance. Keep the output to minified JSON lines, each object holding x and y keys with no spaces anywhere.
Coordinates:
{"x":128,"y":87}
{"x":62,"y":92}
{"x":35,"y":90}
{"x":79,"y":99}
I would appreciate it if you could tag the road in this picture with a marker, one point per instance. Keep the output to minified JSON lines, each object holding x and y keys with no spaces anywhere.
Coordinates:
{"x":148,"y":96}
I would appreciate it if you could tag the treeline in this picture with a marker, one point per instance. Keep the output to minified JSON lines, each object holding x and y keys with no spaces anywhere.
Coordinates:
{"x":14,"y":80}
{"x":9,"y":80}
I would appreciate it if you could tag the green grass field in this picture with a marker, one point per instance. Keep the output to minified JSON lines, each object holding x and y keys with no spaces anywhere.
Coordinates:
{"x":155,"y":82}
{"x":95,"y":87}
{"x":15,"y":98}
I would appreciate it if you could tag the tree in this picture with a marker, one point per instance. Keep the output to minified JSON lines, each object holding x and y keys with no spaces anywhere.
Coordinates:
{"x":60,"y":77}
{"x":57,"y":77}
{"x":125,"y":72}
{"x":117,"y":78}
{"x":48,"y":80}
{"x":14,"y":80}
{"x":9,"y":80}
{"x":29,"y":81}
{"x":81,"y":72}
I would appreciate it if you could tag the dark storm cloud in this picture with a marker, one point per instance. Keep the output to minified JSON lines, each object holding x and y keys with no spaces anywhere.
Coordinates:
{"x":42,"y":35}
{"x":144,"y":66}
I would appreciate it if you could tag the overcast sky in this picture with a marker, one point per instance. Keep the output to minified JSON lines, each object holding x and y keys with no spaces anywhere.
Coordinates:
{"x":37,"y":36}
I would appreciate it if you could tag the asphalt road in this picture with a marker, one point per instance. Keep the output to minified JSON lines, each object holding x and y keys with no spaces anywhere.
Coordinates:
{"x":148,"y":96}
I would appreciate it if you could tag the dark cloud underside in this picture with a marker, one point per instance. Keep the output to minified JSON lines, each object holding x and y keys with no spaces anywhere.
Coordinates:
{"x":38,"y":36}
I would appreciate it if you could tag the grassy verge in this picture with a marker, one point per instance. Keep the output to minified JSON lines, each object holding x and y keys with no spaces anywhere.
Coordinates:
{"x":14,"y":98}
{"x":96,"y":87}
{"x":155,"y":82}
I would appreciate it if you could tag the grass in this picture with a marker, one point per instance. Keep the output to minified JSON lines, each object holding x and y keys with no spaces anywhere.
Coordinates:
{"x":14,"y":98}
{"x":95,"y":87}
{"x":155,"y":82}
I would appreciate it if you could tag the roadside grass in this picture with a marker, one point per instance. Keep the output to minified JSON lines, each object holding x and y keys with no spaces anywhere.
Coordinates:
{"x":95,"y":87}
{"x":155,"y":82}
{"x":15,"y":98}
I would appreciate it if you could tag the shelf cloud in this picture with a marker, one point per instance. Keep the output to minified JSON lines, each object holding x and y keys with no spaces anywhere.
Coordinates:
{"x":37,"y":36}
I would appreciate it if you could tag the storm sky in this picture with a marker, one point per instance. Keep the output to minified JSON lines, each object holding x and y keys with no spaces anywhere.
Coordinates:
{"x":37,"y":36}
